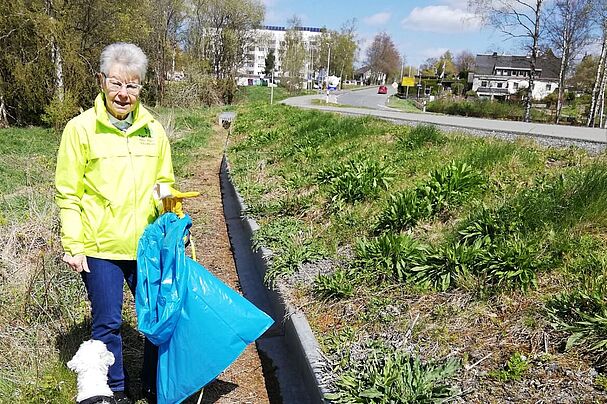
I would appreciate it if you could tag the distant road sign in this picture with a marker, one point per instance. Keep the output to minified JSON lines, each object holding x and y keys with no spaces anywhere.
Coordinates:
{"x":408,"y":81}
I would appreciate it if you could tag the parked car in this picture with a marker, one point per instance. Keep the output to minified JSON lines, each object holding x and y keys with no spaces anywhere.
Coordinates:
{"x":382,"y":90}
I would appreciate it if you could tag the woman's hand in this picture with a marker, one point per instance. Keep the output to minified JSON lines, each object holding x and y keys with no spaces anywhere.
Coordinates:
{"x":77,"y":262}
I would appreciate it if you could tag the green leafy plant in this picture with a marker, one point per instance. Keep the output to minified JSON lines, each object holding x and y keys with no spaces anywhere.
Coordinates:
{"x":445,"y":264}
{"x":450,"y":184}
{"x":403,"y":211}
{"x":395,"y":377}
{"x":334,"y":286}
{"x":582,"y":314}
{"x":356,"y":180}
{"x":388,"y":256}
{"x":513,"y":369}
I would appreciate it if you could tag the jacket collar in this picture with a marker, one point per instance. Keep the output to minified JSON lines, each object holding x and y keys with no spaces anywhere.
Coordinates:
{"x":141,"y":116}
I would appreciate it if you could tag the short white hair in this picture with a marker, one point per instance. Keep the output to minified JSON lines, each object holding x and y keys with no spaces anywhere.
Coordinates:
{"x":128,"y":56}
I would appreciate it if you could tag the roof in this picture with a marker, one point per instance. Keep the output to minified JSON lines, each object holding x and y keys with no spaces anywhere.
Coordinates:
{"x":547,"y":63}
{"x":278,"y":28}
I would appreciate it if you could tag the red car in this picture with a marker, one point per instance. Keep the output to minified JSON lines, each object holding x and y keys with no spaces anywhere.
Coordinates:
{"x":382,"y":90}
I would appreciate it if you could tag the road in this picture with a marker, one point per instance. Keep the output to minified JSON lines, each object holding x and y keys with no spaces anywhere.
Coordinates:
{"x":367,"y":101}
{"x":367,"y":98}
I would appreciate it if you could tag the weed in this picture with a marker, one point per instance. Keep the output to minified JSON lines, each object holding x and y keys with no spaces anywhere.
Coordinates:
{"x":582,"y":314}
{"x":514,"y":368}
{"x":444,"y":265}
{"x":450,"y":185}
{"x":388,"y":257}
{"x":334,"y":286}
{"x":447,"y":186}
{"x":295,"y":251}
{"x":403,"y":211}
{"x":356,"y":180}
{"x":394,"y":377}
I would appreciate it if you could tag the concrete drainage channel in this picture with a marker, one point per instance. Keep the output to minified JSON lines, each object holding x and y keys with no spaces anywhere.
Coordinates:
{"x":289,"y":344}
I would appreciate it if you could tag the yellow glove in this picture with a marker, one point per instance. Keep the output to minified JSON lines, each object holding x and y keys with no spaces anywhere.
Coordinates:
{"x":173,"y":202}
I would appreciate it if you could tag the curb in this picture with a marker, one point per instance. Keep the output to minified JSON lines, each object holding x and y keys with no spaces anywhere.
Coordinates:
{"x":303,"y":352}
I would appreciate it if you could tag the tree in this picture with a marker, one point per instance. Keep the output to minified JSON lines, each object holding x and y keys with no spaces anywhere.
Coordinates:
{"x":569,"y":29}
{"x":598,"y":89}
{"x":270,"y":62}
{"x":464,"y":63}
{"x":343,"y":46}
{"x":293,"y":54}
{"x":383,"y":57}
{"x":220,"y":31}
{"x":583,"y":74}
{"x":517,"y":19}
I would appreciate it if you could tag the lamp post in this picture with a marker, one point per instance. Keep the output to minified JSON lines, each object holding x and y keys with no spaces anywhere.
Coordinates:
{"x":327,"y":74}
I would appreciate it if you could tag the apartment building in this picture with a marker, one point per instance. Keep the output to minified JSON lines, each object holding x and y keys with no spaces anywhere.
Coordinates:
{"x":273,"y":37}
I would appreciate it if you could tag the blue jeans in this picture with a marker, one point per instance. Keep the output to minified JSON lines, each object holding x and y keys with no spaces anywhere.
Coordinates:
{"x":104,"y":288}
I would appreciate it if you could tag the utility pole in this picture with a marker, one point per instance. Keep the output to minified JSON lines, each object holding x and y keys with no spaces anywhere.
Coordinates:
{"x":272,"y":89}
{"x":327,"y":74}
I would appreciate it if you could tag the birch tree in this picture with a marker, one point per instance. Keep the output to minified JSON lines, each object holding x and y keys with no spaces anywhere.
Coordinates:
{"x":517,"y":20}
{"x":598,"y":90}
{"x":293,"y":54}
{"x":568,"y":32}
{"x":383,"y":57}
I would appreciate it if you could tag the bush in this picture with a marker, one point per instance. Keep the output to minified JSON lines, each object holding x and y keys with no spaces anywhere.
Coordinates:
{"x":59,"y":111}
{"x":197,"y":89}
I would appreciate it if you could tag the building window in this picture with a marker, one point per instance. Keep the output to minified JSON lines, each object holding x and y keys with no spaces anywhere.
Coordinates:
{"x":483,"y":84}
{"x":515,"y":86}
{"x":499,"y":85}
{"x":548,"y":87}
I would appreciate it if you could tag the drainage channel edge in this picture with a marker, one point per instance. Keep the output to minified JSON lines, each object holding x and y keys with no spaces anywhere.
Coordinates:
{"x":290,"y":343}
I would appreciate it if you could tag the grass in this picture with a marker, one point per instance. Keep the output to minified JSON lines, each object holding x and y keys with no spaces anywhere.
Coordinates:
{"x":424,"y":215}
{"x":401,"y":104}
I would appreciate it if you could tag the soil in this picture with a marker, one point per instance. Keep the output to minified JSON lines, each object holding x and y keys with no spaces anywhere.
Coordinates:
{"x":243,"y":381}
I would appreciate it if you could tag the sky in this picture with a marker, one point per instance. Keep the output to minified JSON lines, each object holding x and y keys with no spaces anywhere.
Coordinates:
{"x":420,"y":29}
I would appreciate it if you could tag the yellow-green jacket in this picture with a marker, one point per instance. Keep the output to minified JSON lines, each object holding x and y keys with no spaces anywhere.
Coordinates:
{"x":105,"y":179}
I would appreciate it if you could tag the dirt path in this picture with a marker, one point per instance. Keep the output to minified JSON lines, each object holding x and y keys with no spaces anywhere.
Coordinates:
{"x":242,"y":382}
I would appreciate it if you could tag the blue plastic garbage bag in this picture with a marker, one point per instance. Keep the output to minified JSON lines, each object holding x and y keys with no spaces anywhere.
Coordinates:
{"x":199,"y":324}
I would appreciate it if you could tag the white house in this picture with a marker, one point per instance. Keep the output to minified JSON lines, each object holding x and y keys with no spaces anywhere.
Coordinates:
{"x":500,"y":76}
{"x":273,"y":37}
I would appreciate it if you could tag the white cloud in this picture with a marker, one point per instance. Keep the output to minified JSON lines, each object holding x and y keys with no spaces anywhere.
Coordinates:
{"x":443,"y":19}
{"x":377,"y":19}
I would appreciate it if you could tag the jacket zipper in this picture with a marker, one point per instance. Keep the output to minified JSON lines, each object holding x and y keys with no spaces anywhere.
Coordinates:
{"x":133,"y":214}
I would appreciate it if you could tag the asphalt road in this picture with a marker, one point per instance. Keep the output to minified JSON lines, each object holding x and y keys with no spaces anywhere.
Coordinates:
{"x":366,"y":103}
{"x":367,"y":98}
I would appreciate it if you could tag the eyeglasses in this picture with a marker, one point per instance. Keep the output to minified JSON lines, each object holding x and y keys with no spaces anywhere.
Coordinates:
{"x":116,"y":85}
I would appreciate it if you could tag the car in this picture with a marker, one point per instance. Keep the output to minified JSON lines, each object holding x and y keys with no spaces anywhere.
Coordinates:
{"x":382,"y":90}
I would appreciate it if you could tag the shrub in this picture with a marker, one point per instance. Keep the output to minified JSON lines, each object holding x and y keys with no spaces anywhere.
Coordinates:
{"x":59,"y":111}
{"x":395,"y":377}
{"x":388,"y":257}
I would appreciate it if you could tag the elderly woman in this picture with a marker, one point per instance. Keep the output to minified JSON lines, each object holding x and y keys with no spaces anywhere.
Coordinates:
{"x":110,"y":159}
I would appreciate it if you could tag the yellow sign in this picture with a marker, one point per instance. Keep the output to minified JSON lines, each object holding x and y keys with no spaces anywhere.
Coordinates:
{"x":408,"y":82}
